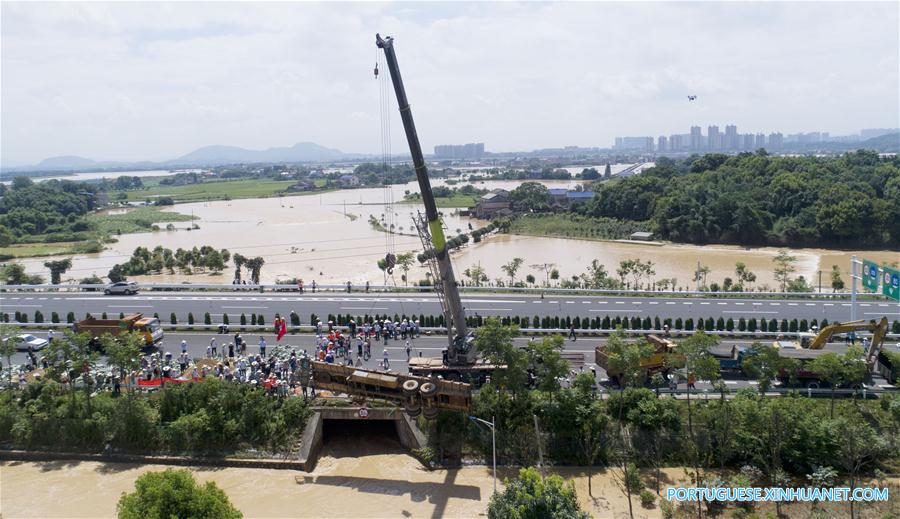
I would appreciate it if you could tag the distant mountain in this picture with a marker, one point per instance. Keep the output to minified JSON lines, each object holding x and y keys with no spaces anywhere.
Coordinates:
{"x":300,"y":152}
{"x":205,"y":156}
{"x":65,"y":162}
{"x":884,"y":143}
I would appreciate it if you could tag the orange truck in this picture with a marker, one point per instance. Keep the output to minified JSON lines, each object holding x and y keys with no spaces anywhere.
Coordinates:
{"x":148,"y":327}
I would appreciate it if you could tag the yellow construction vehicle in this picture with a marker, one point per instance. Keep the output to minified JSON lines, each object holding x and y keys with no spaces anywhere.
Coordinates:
{"x":816,"y":341}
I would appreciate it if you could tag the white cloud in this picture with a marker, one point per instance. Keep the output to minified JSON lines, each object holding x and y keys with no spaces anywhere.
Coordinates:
{"x":135,"y":81}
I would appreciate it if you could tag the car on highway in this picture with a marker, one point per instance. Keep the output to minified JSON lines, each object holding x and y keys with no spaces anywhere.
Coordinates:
{"x":122,"y":287}
{"x":26,"y":339}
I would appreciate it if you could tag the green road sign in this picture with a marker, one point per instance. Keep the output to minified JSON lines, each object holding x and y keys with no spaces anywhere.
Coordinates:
{"x":870,"y":275}
{"x":890,"y":283}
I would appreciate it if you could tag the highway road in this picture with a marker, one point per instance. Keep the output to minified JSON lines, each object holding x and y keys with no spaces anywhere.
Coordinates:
{"x":427,"y":346}
{"x":270,"y":303}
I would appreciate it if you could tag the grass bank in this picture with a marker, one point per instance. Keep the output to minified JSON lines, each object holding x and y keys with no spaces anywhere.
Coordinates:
{"x":37,"y":250}
{"x":574,"y":226}
{"x":219,"y":190}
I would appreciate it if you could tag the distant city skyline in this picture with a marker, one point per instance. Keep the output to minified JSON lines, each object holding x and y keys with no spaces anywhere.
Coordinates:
{"x":732,"y":140}
{"x":135,"y":81}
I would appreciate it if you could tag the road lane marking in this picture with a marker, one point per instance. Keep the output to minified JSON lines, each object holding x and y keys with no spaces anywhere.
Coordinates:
{"x":774,"y":304}
{"x":620,"y":302}
{"x":363,"y":308}
{"x":704,"y":303}
{"x":570,"y":302}
{"x":757,"y":304}
{"x":747,"y":312}
{"x":792,"y":304}
{"x":129,"y":306}
{"x":720,"y":304}
{"x":687,"y":303}
{"x":739,"y":304}
{"x":489,"y":309}
{"x":618,"y":311}
{"x":260,"y":307}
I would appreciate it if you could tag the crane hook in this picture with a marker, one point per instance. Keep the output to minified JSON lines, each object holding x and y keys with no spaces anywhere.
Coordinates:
{"x":376,"y":70}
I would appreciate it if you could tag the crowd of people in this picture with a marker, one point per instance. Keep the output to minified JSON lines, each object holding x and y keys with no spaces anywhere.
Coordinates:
{"x":279,"y":369}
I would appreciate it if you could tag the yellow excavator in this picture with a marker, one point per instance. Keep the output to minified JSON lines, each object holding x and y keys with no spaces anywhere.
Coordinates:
{"x":816,"y":341}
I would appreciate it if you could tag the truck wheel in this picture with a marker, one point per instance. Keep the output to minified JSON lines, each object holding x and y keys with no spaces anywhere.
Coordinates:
{"x":410,"y":386}
{"x":428,"y":389}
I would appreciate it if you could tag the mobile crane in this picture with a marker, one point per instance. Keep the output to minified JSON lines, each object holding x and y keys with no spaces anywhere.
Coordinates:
{"x":460,"y":359}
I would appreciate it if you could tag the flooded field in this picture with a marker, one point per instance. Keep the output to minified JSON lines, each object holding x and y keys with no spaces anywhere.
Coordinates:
{"x":328,"y":238}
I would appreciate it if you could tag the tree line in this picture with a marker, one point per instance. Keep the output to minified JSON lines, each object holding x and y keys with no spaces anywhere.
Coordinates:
{"x":761,"y":441}
{"x":757,"y":199}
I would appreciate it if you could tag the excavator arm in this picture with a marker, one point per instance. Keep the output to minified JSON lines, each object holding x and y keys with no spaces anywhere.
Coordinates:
{"x":878,"y":329}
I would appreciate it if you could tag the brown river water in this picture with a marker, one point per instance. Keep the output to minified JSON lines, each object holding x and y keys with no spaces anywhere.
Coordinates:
{"x":327,"y":238}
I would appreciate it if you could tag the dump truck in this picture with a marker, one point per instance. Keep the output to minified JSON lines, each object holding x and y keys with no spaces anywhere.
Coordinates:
{"x":148,"y":327}
{"x":657,"y":362}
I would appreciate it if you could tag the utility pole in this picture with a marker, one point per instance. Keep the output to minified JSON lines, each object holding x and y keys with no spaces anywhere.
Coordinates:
{"x":537,"y":433}
{"x":853,"y":276}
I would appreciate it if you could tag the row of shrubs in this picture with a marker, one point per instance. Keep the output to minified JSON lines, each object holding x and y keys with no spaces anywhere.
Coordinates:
{"x":579,"y":323}
{"x":208,"y":417}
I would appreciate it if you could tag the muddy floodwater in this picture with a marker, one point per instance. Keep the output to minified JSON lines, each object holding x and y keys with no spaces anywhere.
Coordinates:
{"x":370,"y":478}
{"x":328,"y":238}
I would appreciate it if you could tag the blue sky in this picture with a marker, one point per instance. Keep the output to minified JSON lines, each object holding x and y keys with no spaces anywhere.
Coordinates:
{"x":133,"y":81}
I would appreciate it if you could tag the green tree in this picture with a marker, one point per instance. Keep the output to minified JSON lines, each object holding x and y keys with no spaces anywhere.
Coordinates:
{"x":836,"y":282}
{"x":239,"y":261}
{"x":624,"y":359}
{"x":174,"y":493}
{"x":477,"y":274}
{"x":8,"y":335}
{"x":530,"y":197}
{"x":529,"y":496}
{"x":511,"y":268}
{"x":405,"y":262}
{"x":255,"y":265}
{"x":762,"y":362}
{"x":57,"y":269}
{"x":124,"y":351}
{"x":785,"y":265}
{"x":14,"y":274}
{"x":546,"y":363}
{"x":495,"y":342}
{"x":744,"y":276}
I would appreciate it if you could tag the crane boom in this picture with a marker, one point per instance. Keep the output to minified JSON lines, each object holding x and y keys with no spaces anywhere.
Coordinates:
{"x":462,"y":349}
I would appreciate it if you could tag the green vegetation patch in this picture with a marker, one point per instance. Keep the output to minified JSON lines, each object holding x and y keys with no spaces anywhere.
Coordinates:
{"x":215,"y":190}
{"x":574,"y":226}
{"x":140,"y":219}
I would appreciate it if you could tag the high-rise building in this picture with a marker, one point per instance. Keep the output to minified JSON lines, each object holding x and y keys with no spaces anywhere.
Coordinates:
{"x":714,"y":138}
{"x":634,"y":143}
{"x":459,"y":151}
{"x":696,"y":138}
{"x":776,"y":141}
{"x":662,"y":144}
{"x":760,"y":140}
{"x":747,"y":141}
{"x":732,"y":141}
